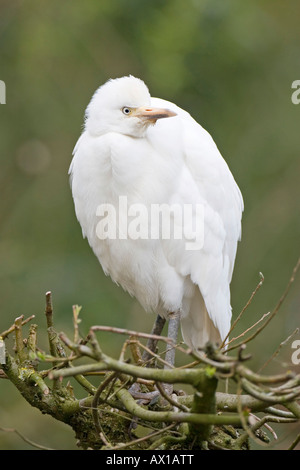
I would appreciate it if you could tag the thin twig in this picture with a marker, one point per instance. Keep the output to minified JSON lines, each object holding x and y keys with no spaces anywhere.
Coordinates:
{"x":28,"y":441}
{"x":109,"y":395}
{"x":284,"y":295}
{"x":95,"y":410}
{"x":76,"y":311}
{"x":281,"y":413}
{"x":31,"y":341}
{"x":295,"y":443}
{"x":49,"y":309}
{"x":259,"y":424}
{"x":123,"y":331}
{"x":249,"y":432}
{"x":267,"y":397}
{"x":267,"y":426}
{"x":277,"y":307}
{"x":277,"y":351}
{"x":244,"y":308}
{"x":134,"y":345}
{"x":154,"y":355}
{"x":123,"y":350}
{"x":246,"y":331}
{"x":19,"y":339}
{"x":143,"y":439}
{"x":5,"y":333}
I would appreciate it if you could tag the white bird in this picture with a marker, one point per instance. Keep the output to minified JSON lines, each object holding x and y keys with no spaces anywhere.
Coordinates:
{"x":122,"y":153}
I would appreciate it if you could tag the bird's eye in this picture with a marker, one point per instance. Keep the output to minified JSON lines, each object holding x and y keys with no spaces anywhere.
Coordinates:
{"x":126,"y":110}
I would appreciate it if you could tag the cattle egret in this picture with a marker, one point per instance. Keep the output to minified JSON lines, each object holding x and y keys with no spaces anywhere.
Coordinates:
{"x":149,"y":153}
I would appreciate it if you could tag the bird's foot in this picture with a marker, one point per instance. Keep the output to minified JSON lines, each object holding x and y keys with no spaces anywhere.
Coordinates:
{"x":143,"y":397}
{"x":168,"y":389}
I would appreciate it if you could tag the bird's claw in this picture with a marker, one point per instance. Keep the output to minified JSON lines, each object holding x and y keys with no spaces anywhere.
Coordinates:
{"x":143,"y":397}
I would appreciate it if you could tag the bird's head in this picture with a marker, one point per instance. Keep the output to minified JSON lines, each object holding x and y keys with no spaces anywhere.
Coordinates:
{"x":123,"y":105}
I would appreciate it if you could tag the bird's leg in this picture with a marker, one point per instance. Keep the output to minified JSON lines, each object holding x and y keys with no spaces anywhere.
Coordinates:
{"x":173,"y":328}
{"x":151,"y":344}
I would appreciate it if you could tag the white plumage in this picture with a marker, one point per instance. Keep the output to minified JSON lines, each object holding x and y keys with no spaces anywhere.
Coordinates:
{"x":175,"y":161}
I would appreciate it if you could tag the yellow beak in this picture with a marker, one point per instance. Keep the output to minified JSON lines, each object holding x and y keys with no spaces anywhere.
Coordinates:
{"x":152,"y":114}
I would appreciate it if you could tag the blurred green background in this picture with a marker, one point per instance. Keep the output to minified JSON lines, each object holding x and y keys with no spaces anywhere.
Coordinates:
{"x":231,"y":65}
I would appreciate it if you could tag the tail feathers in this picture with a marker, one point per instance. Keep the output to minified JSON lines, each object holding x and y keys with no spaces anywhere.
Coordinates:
{"x":197,"y":327}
